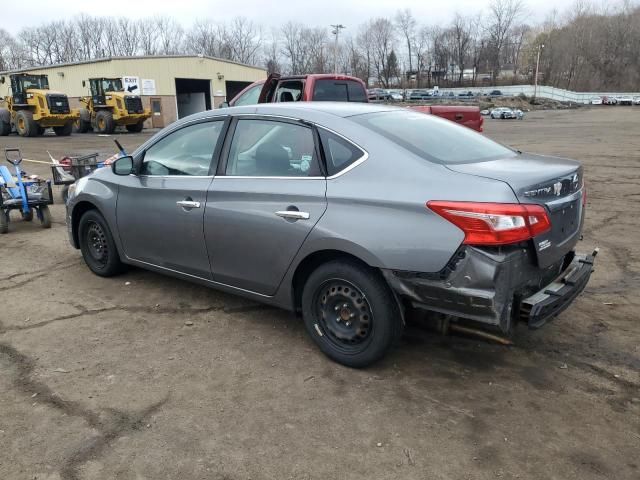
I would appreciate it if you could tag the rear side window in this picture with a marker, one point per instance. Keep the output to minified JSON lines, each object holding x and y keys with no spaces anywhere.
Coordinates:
{"x":433,"y":138}
{"x":338,"y":152}
{"x":326,"y":90}
{"x":268,"y":148}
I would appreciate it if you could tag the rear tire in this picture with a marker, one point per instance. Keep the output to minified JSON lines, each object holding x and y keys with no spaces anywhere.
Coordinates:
{"x":104,"y":122}
{"x":136,"y":127}
{"x":97,"y":245}
{"x":4,"y":221}
{"x":45,"y":217}
{"x":350,"y":313}
{"x":65,"y":130}
{"x":26,"y":126}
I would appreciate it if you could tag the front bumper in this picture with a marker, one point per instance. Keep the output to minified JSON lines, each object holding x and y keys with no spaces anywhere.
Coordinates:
{"x":496,"y":286}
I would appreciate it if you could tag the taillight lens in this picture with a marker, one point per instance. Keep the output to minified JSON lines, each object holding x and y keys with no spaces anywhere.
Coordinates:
{"x":494,"y":223}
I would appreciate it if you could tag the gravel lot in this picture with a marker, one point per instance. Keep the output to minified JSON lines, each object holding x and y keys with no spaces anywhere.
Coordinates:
{"x":102,"y":378}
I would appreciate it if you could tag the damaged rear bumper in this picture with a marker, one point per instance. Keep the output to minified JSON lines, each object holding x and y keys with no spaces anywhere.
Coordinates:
{"x":496,"y":286}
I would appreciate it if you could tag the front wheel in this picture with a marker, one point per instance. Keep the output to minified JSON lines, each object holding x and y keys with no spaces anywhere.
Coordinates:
{"x":44,"y":216}
{"x":350,"y":313}
{"x":97,"y":246}
{"x":4,"y":221}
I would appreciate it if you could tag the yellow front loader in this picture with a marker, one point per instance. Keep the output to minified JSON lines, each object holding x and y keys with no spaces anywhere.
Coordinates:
{"x":110,"y":106}
{"x":32,"y":107}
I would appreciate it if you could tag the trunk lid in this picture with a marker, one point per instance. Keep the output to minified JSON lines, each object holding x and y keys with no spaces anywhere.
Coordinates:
{"x":555,"y":183}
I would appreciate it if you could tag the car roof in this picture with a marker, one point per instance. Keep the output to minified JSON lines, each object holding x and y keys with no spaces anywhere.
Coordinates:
{"x":338,"y":109}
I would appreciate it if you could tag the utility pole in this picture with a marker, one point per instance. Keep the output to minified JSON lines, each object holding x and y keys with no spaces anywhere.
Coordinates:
{"x":535,"y":80}
{"x":336,"y":32}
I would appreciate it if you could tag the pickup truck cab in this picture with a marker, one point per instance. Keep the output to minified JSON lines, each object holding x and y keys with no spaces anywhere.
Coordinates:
{"x":337,"y":88}
{"x":302,"y":88}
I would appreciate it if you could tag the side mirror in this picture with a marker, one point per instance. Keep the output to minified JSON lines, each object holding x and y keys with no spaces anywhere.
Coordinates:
{"x":84,"y":84}
{"x":123,"y":166}
{"x":223,"y":105}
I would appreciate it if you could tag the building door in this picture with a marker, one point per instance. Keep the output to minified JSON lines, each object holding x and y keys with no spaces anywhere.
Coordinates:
{"x":156,"y":113}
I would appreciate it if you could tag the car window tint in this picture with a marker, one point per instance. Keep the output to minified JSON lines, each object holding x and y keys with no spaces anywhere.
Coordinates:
{"x":338,"y":152}
{"x":433,"y":138}
{"x":187,"y":151}
{"x":338,"y":91}
{"x":289,"y":91}
{"x":250,"y":97}
{"x":267,"y":148}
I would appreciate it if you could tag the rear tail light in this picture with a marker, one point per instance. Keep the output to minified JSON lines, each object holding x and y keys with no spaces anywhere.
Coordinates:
{"x":494,"y":223}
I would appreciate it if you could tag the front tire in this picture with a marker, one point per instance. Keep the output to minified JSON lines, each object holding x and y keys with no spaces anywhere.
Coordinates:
{"x":45,"y":216}
{"x":97,"y":245}
{"x":26,"y":126}
{"x":104,"y":122}
{"x":4,"y":221}
{"x":350,"y":313}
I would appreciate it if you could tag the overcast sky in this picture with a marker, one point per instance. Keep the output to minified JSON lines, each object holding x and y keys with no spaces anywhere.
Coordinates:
{"x":16,"y":14}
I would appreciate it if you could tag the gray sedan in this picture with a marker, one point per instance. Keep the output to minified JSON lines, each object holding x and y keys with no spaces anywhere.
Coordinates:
{"x":348,"y":214}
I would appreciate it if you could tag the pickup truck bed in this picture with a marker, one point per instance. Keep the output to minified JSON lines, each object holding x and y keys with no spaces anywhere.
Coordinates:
{"x":464,"y":115}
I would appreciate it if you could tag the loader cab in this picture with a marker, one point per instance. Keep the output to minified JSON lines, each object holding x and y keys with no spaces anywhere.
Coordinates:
{"x":23,"y":82}
{"x":100,"y":87}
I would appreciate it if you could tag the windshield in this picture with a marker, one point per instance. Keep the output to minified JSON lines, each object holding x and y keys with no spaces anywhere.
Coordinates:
{"x":433,"y":138}
{"x":112,"y":85}
{"x":36,"y":82}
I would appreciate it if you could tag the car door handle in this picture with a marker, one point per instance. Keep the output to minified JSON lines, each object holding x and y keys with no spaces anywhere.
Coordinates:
{"x":293,"y":214}
{"x":188,"y":204}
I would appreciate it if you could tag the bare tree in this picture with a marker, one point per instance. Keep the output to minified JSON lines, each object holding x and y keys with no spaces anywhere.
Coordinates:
{"x":460,"y":33}
{"x":407,"y":25}
{"x":502,"y":16}
{"x":382,"y":41}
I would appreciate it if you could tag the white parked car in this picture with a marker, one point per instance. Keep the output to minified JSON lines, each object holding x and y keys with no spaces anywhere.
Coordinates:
{"x":485,"y":112}
{"x":396,"y":96}
{"x":625,"y":100}
{"x":596,"y":101}
{"x":503,"y":113}
{"x":636,"y":100}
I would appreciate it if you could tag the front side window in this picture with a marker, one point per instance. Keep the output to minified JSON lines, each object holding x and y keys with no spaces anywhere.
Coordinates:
{"x":433,"y":138}
{"x":188,"y":151}
{"x":267,"y":148}
{"x":250,"y":97}
{"x":338,"y":152}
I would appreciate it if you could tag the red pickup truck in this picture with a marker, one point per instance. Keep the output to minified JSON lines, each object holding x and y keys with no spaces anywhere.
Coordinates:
{"x":337,"y":88}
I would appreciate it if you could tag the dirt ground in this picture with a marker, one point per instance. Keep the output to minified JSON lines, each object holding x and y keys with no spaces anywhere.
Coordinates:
{"x":102,"y":378}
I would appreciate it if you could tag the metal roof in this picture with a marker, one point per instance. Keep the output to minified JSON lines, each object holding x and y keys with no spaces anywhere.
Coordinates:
{"x":135,"y":57}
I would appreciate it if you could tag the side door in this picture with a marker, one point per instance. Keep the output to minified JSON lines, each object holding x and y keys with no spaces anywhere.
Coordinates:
{"x":160,"y":210}
{"x":268,"y":195}
{"x":156,"y":113}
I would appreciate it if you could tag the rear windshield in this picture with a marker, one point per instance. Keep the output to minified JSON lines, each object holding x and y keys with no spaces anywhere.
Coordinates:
{"x":433,"y":138}
{"x":338,"y":91}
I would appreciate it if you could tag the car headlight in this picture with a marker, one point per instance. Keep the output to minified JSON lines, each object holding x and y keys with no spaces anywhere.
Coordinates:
{"x":72,"y":190}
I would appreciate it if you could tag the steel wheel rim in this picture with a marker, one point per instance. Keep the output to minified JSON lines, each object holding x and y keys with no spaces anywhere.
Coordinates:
{"x":97,"y":244}
{"x":21,"y":123}
{"x":101,"y":123}
{"x":345,"y":315}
